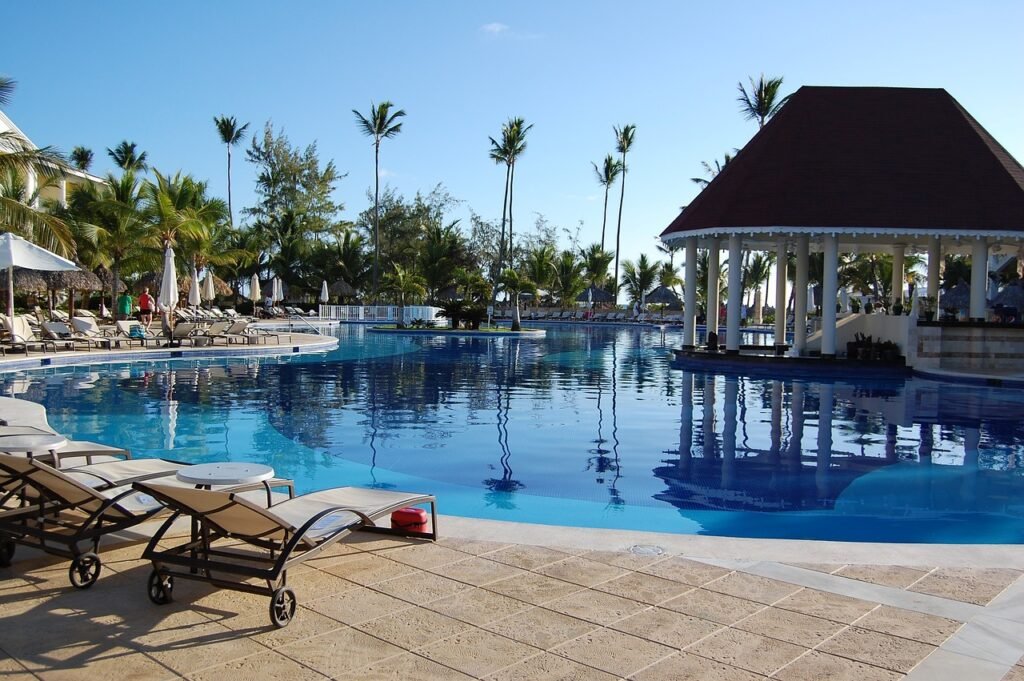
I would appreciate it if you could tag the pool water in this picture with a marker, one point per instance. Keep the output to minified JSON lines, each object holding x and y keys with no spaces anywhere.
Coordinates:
{"x":588,"y":426}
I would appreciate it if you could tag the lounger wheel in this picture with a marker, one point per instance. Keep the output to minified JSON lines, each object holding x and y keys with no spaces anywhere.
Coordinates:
{"x":84,"y":570}
{"x":282,"y":607}
{"x":7,"y":547}
{"x":161,"y":587}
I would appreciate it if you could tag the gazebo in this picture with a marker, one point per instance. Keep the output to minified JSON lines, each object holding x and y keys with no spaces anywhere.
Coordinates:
{"x":853,"y":169}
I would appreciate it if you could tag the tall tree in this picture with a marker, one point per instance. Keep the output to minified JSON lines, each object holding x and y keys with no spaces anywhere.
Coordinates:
{"x":127,"y":157}
{"x":623,"y":143}
{"x":606,"y":174}
{"x":763,"y":100}
{"x":230,"y":134}
{"x":404,"y":284}
{"x":515,"y":284}
{"x":117,"y":210}
{"x":81,"y":157}
{"x":380,"y":125}
{"x":516,"y":145}
{"x":639,"y":278}
{"x":595,"y":262}
{"x":711,"y":171}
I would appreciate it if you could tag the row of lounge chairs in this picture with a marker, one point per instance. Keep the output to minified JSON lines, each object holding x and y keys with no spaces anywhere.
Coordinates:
{"x":65,"y":507}
{"x":583,"y":316}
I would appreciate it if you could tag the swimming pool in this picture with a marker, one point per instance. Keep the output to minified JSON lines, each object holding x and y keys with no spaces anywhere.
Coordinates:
{"x":589,"y":426}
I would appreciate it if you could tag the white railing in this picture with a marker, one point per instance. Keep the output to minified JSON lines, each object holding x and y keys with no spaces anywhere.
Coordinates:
{"x":378,"y":313}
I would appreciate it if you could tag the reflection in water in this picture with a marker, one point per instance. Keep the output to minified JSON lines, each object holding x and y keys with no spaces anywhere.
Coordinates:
{"x":566,"y":417}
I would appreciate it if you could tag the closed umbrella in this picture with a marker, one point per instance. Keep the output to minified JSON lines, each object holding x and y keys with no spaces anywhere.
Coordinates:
{"x":16,"y":252}
{"x":324,"y":295}
{"x":254,"y":289}
{"x":194,"y":297}
{"x":278,"y":294}
{"x":169,"y":282}
{"x":208,"y":289}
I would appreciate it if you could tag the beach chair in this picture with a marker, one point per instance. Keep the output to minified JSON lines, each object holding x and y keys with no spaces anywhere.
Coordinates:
{"x":183,"y":331}
{"x":134,"y":332}
{"x":86,"y":327}
{"x":60,"y":334}
{"x":265,"y":542}
{"x":21,"y":334}
{"x":215,"y":330}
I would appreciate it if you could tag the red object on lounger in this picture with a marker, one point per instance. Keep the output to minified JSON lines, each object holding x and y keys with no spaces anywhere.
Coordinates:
{"x":410,"y":519}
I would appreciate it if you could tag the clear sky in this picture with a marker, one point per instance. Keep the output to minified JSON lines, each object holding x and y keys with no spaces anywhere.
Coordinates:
{"x":157,"y":73}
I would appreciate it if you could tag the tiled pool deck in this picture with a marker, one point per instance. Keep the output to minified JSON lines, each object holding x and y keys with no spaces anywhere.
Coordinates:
{"x":379,"y":608}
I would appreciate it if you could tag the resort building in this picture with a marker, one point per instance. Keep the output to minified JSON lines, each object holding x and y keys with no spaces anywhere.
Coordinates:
{"x":855,"y":169}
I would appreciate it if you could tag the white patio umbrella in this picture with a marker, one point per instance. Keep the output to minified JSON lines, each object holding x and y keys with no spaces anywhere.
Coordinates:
{"x":169,"y":282}
{"x":278,"y":293}
{"x":194,"y":297}
{"x":844,"y":299}
{"x":17,"y":252}
{"x":254,"y":289}
{"x":208,"y":291}
{"x":324,"y":295}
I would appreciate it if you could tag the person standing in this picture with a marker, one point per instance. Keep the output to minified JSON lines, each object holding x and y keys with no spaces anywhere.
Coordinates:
{"x":124,"y":305}
{"x":146,"y":307}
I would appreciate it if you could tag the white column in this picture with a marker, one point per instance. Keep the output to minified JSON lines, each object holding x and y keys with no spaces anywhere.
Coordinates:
{"x":712,"y":294}
{"x":899,"y":252}
{"x":62,"y":187}
{"x":829,"y":290}
{"x":690,"y":294}
{"x":800,"y":296}
{"x":934,"y":261}
{"x":781,"y":263}
{"x":979,"y":278}
{"x":732,"y":313}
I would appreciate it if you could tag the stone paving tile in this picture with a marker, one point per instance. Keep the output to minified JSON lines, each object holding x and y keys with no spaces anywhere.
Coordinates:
{"x":792,"y":627}
{"x":882,"y":650}
{"x":255,"y":624}
{"x":477,"y":571}
{"x":710,"y":605}
{"x":548,"y":667}
{"x":412,"y":628}
{"x":895,"y":576}
{"x":367,"y":568}
{"x":827,"y":568}
{"x":357,"y":606}
{"x":95,"y":661}
{"x":753,"y":587}
{"x":12,"y":670}
{"x":340,"y":651}
{"x":613,"y":651}
{"x":644,"y":588}
{"x":818,"y":666}
{"x":477,"y":652}
{"x":420,"y":587}
{"x":475,"y":547}
{"x":540,"y":627}
{"x":909,"y":624}
{"x":478,"y":606}
{"x":267,"y":665}
{"x":686,"y":571}
{"x":1016,"y":673}
{"x":533,"y":588}
{"x":195,"y":647}
{"x":527,"y":557}
{"x":685,"y":666}
{"x":425,"y":555}
{"x":826,"y":605}
{"x":958,"y":588}
{"x":578,"y":570}
{"x":371,"y":541}
{"x":667,"y":627}
{"x":753,"y":652}
{"x":594,"y":606}
{"x":406,"y":668}
{"x":624,"y":559}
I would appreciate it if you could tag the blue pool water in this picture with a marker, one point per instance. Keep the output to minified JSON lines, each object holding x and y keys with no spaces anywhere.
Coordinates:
{"x":589,"y":426}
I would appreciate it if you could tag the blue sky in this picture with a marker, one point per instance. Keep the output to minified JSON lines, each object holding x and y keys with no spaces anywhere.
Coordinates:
{"x":157,"y":73}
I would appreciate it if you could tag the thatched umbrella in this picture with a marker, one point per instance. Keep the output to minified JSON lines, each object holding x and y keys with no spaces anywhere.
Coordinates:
{"x":74,"y":280}
{"x":342,"y":288}
{"x":663,"y":296}
{"x":594,"y":294}
{"x":25,"y":280}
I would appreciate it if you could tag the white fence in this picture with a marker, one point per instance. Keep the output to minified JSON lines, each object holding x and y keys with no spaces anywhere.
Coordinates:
{"x":379,"y":313}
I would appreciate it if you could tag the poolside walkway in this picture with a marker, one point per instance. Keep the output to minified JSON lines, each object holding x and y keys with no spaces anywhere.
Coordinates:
{"x":380,"y":608}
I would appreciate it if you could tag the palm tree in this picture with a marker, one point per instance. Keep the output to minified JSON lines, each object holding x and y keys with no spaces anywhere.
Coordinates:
{"x":508,"y":151}
{"x":569,"y":281}
{"x":606,"y":176}
{"x":382,"y":124}
{"x":757,"y":272}
{"x":639,"y":278}
{"x":595,"y":263}
{"x":116,"y":208}
{"x":763,"y":101}
{"x":81,"y":158}
{"x":623,"y":142}
{"x":539,"y":266}
{"x":18,"y":159}
{"x":404,"y":284}
{"x":514,"y":284}
{"x":668,"y":276}
{"x":711,"y":171}
{"x":127,"y":157}
{"x":230,"y":134}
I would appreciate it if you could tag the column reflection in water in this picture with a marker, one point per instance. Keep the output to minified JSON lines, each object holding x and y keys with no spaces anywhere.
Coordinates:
{"x":775,"y":450}
{"x":686,"y":426}
{"x":826,"y":395}
{"x":729,"y":432}
{"x":708,"y":421}
{"x":969,"y":489}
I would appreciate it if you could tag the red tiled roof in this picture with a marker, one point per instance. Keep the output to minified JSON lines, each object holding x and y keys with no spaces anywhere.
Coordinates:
{"x":866,"y":157}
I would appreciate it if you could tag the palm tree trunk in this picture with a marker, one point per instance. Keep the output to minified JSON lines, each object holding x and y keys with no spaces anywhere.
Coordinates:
{"x":618,"y":229}
{"x":231,"y":212}
{"x":114,"y":272}
{"x":604,"y":220}
{"x":516,"y":321}
{"x":511,"y":186}
{"x":376,"y":219}
{"x":501,"y":240}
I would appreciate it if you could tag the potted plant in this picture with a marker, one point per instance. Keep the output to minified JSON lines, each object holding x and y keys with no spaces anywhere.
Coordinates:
{"x":854,"y":305}
{"x":896,"y":306}
{"x":869,"y":307}
{"x":926,"y":308}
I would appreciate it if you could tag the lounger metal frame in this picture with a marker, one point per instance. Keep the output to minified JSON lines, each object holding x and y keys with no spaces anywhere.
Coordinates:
{"x":198,"y":560}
